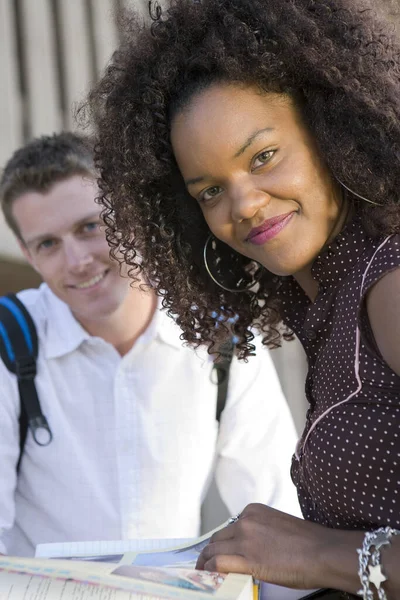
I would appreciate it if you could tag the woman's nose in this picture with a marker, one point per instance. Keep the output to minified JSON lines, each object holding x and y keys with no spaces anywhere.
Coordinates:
{"x":247,"y":202}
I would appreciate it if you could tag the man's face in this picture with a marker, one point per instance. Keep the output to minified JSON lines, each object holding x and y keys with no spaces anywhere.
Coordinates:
{"x":64,"y":240}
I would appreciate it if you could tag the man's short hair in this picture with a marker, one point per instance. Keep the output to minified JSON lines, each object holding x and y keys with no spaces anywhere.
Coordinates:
{"x":40,"y":164}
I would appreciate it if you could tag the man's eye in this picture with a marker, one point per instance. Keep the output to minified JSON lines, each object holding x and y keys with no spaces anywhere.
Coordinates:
{"x":263,"y":158}
{"x":46,"y":244}
{"x":210,"y":193}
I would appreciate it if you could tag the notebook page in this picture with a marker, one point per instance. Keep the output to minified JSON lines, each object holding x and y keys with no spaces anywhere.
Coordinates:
{"x":99,"y":548}
{"x":18,"y":586}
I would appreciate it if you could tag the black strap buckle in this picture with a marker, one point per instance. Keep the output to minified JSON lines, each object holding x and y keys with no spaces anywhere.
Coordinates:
{"x":40,"y":430}
{"x":25,"y":367}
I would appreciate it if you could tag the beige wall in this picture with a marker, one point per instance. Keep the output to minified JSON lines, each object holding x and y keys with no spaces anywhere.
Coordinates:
{"x":15,"y":276}
{"x":50,"y":53}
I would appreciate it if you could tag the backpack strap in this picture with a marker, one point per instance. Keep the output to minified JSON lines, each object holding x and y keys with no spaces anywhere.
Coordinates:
{"x":19,"y":350}
{"x":222,"y":368}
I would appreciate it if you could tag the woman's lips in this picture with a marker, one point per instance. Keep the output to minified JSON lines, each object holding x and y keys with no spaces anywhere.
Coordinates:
{"x":269,"y":229}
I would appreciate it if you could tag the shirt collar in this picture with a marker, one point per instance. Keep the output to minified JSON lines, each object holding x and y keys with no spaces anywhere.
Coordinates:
{"x":336,"y":261}
{"x":64,"y":334}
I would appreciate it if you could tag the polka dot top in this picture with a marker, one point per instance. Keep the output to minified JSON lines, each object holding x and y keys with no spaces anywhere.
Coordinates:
{"x":347,"y":470}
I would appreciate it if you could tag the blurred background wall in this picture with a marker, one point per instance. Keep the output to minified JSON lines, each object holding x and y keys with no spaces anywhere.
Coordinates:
{"x":50,"y":53}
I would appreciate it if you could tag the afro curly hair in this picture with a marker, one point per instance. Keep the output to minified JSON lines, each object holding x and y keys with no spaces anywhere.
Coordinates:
{"x":337,"y":59}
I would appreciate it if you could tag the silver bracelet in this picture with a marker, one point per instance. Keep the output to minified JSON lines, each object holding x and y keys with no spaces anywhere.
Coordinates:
{"x":370,"y":567}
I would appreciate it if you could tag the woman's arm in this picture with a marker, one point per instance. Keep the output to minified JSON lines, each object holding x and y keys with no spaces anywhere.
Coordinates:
{"x":383,"y":307}
{"x":281,"y":549}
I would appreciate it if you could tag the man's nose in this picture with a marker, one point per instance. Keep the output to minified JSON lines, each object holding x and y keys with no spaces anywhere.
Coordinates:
{"x":77,"y":255}
{"x":246,"y":201}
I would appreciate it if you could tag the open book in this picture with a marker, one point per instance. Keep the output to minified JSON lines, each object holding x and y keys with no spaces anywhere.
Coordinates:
{"x":44,"y":579}
{"x":163,"y":554}
{"x":164,"y":575}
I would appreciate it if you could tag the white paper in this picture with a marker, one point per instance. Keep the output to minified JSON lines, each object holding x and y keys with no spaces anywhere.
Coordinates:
{"x":101,"y":548}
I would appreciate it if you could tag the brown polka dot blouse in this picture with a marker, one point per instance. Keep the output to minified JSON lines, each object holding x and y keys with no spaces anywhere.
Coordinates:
{"x":347,"y":471}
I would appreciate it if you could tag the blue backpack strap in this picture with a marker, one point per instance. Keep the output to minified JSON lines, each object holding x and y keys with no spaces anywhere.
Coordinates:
{"x":19,"y":351}
{"x":222,"y":368}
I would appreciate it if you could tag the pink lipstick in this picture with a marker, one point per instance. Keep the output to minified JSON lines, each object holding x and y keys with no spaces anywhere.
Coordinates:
{"x":269,"y":229}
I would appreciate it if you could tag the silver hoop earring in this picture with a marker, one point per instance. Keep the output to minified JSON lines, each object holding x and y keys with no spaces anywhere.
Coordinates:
{"x":238,"y":289}
{"x":357,"y":195}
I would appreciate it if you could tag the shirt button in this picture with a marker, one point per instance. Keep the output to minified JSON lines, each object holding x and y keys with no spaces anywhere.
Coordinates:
{"x":310,"y":334}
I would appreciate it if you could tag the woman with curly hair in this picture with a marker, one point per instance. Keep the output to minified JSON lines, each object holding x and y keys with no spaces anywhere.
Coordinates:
{"x":250,"y":168}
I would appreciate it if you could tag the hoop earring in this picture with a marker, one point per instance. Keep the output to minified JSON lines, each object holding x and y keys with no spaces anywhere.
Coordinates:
{"x":357,"y":195}
{"x":227,"y":289}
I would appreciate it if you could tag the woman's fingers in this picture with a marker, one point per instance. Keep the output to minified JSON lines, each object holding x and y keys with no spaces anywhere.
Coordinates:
{"x":230,"y":531}
{"x":226,"y":563}
{"x":227,"y":533}
{"x":226,"y":542}
{"x":215,"y":550}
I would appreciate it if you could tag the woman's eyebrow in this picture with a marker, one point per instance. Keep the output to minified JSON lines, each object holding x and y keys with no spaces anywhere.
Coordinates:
{"x":251,"y":139}
{"x":193,"y":181}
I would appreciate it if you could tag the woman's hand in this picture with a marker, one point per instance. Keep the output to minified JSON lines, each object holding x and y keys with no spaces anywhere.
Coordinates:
{"x":281,"y":549}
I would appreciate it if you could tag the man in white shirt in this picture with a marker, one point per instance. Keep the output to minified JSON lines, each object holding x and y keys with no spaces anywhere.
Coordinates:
{"x":132,"y":411}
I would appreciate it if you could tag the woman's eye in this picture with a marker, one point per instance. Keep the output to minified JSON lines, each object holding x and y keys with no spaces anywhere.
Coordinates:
{"x":263,"y":158}
{"x":210,"y":193}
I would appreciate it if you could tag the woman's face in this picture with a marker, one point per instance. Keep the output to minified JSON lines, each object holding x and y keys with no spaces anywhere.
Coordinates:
{"x":253,"y":167}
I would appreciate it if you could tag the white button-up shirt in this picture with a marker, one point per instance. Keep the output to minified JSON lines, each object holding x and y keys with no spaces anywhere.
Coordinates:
{"x":135,"y":438}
